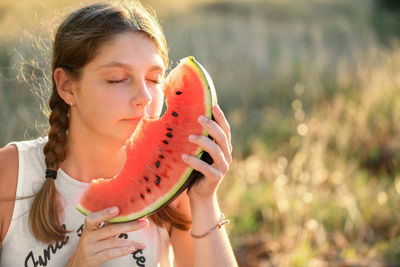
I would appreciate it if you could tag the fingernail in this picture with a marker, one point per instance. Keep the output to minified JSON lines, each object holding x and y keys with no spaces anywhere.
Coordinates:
{"x":141,"y":246}
{"x":113,"y":210}
{"x":185,"y":157}
{"x":202,"y":119}
{"x":131,"y":249}
{"x":192,"y":137}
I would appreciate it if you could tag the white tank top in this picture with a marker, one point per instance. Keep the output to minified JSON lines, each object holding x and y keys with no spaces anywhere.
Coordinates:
{"x":20,"y":248}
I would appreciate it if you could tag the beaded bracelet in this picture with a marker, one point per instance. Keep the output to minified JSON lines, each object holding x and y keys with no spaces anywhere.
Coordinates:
{"x":219,"y":224}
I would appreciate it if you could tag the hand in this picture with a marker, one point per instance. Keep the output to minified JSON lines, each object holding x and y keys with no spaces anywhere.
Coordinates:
{"x":99,"y":244}
{"x":220,"y":150}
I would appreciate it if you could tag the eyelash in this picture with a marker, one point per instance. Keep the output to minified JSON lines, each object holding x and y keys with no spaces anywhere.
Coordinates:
{"x":156,"y":81}
{"x":116,"y":81}
{"x":120,"y":81}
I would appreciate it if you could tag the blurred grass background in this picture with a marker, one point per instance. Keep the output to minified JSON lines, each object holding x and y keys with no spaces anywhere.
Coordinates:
{"x":311,"y":89}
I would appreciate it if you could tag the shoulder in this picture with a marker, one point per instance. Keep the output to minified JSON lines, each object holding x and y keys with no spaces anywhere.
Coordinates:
{"x":8,"y":185}
{"x":182,"y":203}
{"x":8,"y":167}
{"x":8,"y":153}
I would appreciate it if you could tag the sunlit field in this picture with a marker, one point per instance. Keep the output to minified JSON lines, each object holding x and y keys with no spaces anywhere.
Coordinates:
{"x":312,"y":92}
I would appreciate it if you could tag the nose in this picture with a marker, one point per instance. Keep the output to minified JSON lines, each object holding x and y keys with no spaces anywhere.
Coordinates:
{"x":141,"y":96}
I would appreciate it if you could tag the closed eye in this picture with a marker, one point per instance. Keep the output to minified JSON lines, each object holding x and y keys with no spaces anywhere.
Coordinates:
{"x":116,"y":81}
{"x":156,"y":81}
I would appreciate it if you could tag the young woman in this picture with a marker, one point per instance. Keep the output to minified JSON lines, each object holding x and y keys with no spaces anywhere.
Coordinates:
{"x":107,"y":72}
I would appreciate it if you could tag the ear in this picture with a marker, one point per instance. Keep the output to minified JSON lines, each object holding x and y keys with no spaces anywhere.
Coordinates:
{"x":65,"y":86}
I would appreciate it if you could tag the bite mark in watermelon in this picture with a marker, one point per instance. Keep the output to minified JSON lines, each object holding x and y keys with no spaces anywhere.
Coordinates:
{"x":154,"y":173}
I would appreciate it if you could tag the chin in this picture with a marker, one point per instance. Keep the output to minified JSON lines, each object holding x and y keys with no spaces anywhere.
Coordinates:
{"x":120,"y":139}
{"x":127,"y":135}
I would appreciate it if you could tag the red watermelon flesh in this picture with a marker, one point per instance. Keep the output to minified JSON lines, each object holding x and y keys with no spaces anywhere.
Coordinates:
{"x":154,"y":173}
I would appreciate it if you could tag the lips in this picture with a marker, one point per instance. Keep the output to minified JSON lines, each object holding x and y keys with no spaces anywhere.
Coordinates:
{"x":133,"y":120}
{"x":137,"y":119}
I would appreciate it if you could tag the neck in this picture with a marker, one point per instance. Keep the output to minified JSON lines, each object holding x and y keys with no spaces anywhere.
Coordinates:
{"x":90,"y":157}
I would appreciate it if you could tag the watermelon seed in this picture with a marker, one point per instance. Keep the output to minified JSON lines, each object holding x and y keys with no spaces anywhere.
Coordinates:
{"x":169,"y":135}
{"x":158,"y":180}
{"x":147,"y":179}
{"x":157,"y":164}
{"x":141,"y":195}
{"x":165,"y":142}
{"x":169,"y":129}
{"x":178,"y":92}
{"x":174,"y":114}
{"x":148,"y":190}
{"x":161,"y":156}
{"x":132,"y":200}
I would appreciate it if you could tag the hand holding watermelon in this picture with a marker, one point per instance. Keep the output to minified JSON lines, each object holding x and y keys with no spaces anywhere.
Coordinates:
{"x":220,"y":151}
{"x":98,"y":244}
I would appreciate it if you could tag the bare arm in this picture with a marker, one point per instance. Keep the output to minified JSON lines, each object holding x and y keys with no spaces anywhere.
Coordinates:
{"x":215,"y":248}
{"x":8,"y":186}
{"x":212,"y":250}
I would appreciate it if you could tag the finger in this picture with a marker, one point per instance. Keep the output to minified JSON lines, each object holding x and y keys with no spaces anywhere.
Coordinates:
{"x":109,"y":254}
{"x":223,"y":123}
{"x":114,"y":229}
{"x":93,"y":220}
{"x":218,"y":134}
{"x":117,"y":243}
{"x":206,"y":169}
{"x":215,"y":151}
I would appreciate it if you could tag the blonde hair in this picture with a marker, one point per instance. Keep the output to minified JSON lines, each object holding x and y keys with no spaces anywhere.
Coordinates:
{"x":76,"y":43}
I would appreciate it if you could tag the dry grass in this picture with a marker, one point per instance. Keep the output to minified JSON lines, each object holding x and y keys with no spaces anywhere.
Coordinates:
{"x":329,"y":196}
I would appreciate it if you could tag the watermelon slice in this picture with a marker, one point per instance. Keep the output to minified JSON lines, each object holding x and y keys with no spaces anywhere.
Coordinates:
{"x":154,"y":173}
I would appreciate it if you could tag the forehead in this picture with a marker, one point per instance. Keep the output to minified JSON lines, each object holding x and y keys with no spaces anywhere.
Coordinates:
{"x":132,"y":50}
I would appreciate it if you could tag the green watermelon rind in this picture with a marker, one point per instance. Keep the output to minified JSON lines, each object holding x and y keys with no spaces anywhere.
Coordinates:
{"x":182,"y":184}
{"x":211,"y":97}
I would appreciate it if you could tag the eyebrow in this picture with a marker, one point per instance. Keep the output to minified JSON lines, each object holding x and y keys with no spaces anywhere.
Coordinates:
{"x":128,"y":67}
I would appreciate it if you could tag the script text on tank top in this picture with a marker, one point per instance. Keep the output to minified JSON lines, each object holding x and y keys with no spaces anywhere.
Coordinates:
{"x":45,"y":258}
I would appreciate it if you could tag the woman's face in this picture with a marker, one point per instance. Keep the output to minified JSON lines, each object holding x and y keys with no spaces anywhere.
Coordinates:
{"x":122,"y":84}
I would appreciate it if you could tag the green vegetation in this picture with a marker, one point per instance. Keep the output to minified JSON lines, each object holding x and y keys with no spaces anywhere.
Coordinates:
{"x":312,"y":93}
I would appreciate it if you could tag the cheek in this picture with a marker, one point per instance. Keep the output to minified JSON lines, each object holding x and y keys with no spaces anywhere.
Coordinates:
{"x":99,"y":104}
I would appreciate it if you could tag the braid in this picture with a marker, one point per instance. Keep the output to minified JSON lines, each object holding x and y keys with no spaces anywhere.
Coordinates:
{"x":44,"y":214}
{"x":55,"y":150}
